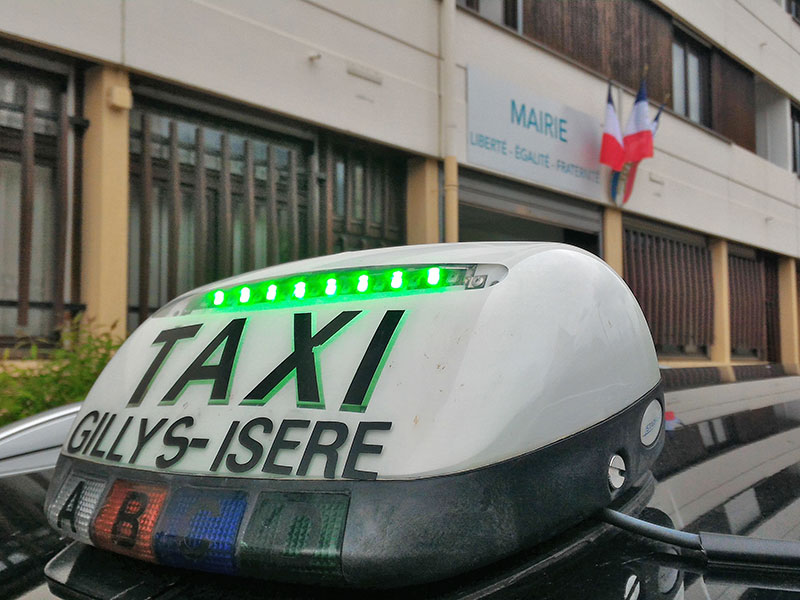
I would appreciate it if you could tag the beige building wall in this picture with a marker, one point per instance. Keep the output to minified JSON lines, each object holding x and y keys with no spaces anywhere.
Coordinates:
{"x":355,"y":68}
{"x":349,"y":66}
{"x":104,"y":225}
{"x":696,"y":179}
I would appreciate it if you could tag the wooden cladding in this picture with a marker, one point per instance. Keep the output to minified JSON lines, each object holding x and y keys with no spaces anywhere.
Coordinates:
{"x":671,"y":279}
{"x":748,"y":308}
{"x":754,"y":304}
{"x":733,"y":100}
{"x":621,"y":39}
{"x":211,"y":199}
{"x":772,"y":308}
{"x":617,"y":38}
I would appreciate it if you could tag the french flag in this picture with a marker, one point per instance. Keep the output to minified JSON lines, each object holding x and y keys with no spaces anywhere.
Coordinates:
{"x":632,"y":173}
{"x":612,"y":150}
{"x":638,"y":140}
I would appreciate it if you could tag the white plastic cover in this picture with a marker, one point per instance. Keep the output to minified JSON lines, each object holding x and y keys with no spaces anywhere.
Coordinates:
{"x":468,"y":378}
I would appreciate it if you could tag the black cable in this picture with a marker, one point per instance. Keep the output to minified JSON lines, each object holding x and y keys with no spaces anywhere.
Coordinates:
{"x":731,"y":551}
{"x":652,"y":531}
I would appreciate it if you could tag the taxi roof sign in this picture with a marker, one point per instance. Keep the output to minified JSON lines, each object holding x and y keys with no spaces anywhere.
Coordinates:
{"x":356,"y":389}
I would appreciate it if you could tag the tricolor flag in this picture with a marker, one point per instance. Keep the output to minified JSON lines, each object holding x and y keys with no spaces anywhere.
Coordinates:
{"x":653,"y":127}
{"x":638,"y":140}
{"x":654,"y":124}
{"x":612,"y":151}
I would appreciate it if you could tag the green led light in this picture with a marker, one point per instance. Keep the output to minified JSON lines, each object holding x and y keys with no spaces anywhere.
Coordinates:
{"x":330,"y":287}
{"x":337,"y":285}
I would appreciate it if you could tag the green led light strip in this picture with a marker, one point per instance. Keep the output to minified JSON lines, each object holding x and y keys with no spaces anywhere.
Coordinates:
{"x":337,"y":286}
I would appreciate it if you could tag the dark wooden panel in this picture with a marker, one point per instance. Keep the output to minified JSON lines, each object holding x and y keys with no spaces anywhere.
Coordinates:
{"x":26,"y":209}
{"x":273,"y":241}
{"x":733,"y":101}
{"x":77,"y":196}
{"x":617,"y":38}
{"x":62,"y":210}
{"x":314,"y":232}
{"x":145,"y":220}
{"x":250,"y":208}
{"x":294,"y":220}
{"x":669,"y":279}
{"x":657,"y":36}
{"x":542,"y":21}
{"x":748,"y":305}
{"x":389,"y":212}
{"x":772,"y":309}
{"x":226,"y":210}
{"x":175,"y":206}
{"x":327,"y":202}
{"x":201,"y":274}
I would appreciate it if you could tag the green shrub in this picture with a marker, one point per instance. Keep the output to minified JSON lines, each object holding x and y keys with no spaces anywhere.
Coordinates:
{"x":64,"y":375}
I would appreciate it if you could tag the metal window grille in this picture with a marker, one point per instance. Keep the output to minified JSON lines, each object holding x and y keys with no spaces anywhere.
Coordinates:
{"x":754,"y":305}
{"x":795,"y":139}
{"x":209,"y":199}
{"x":671,"y":278}
{"x":36,"y":149}
{"x":367,"y":191}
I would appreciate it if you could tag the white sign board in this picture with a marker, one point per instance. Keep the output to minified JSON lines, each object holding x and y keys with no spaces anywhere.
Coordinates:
{"x":533,"y":138}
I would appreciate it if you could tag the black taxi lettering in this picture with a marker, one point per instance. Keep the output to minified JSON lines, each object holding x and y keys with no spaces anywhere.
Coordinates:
{"x":69,"y":511}
{"x":301,"y":363}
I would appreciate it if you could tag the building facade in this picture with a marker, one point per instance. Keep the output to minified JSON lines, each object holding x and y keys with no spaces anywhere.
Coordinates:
{"x":147,"y":148}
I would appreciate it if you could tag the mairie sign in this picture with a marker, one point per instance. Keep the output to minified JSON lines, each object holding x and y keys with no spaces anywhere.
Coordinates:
{"x":529,"y":137}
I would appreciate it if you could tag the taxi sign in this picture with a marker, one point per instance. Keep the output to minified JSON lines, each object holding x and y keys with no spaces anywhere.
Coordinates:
{"x":341,"y":418}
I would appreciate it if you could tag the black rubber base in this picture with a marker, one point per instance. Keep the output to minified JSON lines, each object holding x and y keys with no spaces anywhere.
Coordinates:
{"x":400,"y":533}
{"x":82,"y":572}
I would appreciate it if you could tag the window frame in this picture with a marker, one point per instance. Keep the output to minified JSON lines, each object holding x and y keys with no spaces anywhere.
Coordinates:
{"x":512,"y":13}
{"x":221,"y":187}
{"x":318,"y":230}
{"x":348,"y":230}
{"x":59,"y":150}
{"x":697,"y":282}
{"x":690,"y":44}
{"x":794,"y":120}
{"x":793,"y":10}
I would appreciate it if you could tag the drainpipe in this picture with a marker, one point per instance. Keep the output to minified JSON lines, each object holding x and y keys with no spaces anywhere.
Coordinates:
{"x":448,"y":122}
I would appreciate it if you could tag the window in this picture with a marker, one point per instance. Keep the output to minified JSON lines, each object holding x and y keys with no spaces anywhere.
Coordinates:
{"x":754,"y":304}
{"x":368,"y":191}
{"x":669,"y":272}
{"x":795,"y":139}
{"x":690,"y":79}
{"x":35,"y":139}
{"x":793,"y":8}
{"x":502,"y":12}
{"x":210,"y":198}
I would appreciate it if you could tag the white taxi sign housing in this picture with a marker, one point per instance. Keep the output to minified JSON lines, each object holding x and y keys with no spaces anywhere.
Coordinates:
{"x":471,"y":378}
{"x":410,"y":364}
